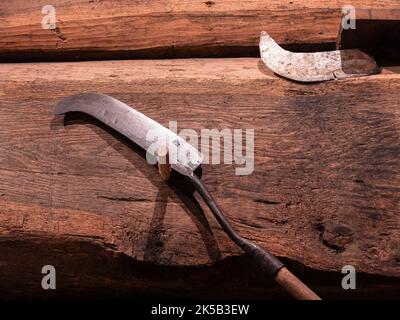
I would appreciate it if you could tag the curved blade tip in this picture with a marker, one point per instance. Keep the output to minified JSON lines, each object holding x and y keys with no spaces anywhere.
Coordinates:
{"x":63,"y":106}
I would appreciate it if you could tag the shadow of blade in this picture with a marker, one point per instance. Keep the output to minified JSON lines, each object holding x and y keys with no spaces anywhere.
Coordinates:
{"x":196,"y":214}
{"x":155,"y":243}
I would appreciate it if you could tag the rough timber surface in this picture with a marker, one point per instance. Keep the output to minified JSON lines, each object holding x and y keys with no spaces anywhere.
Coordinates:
{"x":107,"y":28}
{"x":324,"y":192}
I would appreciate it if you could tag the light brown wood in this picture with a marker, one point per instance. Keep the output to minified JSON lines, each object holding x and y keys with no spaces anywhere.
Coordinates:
{"x":294,"y":285}
{"x":324,"y":192}
{"x":164,"y":168}
{"x":175,"y":27}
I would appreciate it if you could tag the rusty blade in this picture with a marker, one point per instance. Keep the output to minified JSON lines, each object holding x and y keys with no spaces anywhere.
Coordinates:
{"x":315,"y":66}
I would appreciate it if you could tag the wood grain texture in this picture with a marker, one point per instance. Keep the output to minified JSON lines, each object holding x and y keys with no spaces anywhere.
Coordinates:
{"x":295,"y":286}
{"x":324,"y":192}
{"x":173,"y":27}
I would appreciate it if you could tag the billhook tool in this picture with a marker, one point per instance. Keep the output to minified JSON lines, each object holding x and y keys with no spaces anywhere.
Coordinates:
{"x":163,"y":144}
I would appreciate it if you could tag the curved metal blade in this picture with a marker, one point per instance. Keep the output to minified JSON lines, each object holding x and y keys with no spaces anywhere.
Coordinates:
{"x":139,"y":128}
{"x":315,"y":66}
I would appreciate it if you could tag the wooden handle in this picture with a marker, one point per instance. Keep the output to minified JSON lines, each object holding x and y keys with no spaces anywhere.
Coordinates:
{"x":294,"y":286}
{"x":164,"y":168}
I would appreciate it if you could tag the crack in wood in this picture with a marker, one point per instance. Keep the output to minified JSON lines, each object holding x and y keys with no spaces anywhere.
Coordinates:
{"x":59,"y":34}
{"x":274,"y":221}
{"x":128,"y":199}
{"x":264,"y":201}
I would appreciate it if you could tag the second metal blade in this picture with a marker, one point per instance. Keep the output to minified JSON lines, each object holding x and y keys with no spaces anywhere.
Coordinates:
{"x":315,"y":66}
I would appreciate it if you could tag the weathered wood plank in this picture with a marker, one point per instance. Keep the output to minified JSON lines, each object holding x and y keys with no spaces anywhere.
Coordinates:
{"x":173,"y":27}
{"x":325,"y":190}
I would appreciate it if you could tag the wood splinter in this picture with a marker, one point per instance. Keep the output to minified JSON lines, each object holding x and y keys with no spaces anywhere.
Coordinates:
{"x":164,"y":168}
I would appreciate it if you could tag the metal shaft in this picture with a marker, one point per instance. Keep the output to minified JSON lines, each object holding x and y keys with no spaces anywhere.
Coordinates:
{"x":266,"y":261}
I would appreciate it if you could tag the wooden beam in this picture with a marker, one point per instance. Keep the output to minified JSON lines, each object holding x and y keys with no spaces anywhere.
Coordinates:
{"x":325,"y":186}
{"x":172,"y":28}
